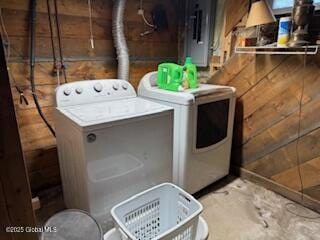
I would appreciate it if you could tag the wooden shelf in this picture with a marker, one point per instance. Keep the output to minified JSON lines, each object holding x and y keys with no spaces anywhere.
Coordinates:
{"x":307,"y":50}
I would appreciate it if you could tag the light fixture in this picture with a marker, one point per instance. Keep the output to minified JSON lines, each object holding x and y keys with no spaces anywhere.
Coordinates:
{"x":260,"y":14}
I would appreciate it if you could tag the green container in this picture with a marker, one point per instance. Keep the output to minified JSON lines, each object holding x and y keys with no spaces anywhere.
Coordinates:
{"x":191,"y":73}
{"x":174,"y":77}
{"x":170,"y":76}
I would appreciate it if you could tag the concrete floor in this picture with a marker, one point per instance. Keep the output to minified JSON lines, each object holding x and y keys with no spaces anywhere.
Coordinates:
{"x":241,"y":210}
{"x":235,"y":209}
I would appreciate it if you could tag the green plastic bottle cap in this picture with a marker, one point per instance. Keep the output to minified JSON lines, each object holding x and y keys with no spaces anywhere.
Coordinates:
{"x":188,"y":60}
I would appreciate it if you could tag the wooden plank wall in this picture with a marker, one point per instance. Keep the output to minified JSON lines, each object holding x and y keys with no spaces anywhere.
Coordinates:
{"x":267,"y":117}
{"x":266,"y":145}
{"x":15,"y":195}
{"x":38,"y":145}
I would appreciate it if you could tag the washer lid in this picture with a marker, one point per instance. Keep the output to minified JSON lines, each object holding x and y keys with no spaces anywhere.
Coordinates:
{"x":148,"y":88}
{"x":111,"y":111}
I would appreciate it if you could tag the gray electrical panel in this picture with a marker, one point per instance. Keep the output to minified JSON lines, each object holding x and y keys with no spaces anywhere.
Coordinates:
{"x":199,"y":30}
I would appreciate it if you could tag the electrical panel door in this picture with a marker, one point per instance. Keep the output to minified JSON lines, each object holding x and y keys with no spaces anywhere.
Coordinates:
{"x":200,"y":24}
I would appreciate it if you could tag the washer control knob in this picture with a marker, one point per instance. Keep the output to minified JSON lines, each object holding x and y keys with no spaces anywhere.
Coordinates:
{"x":67,"y":91}
{"x":125,"y":86}
{"x":98,"y":87}
{"x":79,"y":90}
{"x":115,"y":86}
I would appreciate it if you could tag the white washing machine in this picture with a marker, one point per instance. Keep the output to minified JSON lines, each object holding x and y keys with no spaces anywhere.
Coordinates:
{"x":111,"y":144}
{"x":203,"y":126}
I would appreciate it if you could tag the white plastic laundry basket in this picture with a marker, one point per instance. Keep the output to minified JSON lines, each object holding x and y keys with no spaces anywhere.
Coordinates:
{"x":162,"y":212}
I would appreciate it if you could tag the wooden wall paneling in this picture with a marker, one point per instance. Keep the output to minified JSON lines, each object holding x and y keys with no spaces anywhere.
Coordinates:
{"x":76,"y":27}
{"x":145,"y":50}
{"x":76,"y":70}
{"x":279,"y":162}
{"x":226,"y":47}
{"x":281,"y":133}
{"x":67,"y":7}
{"x":313,"y":192}
{"x":282,"y":105}
{"x":71,"y":26}
{"x":43,"y":168}
{"x":103,"y":49}
{"x":45,"y":178}
{"x":254,"y":72}
{"x":45,"y":94}
{"x":13,"y":175}
{"x":139,"y":69}
{"x":231,"y":69}
{"x":41,"y":158}
{"x":310,"y":173}
{"x":277,"y":81}
{"x":72,"y":48}
{"x":134,"y":28}
{"x":235,"y":11}
{"x":100,"y":9}
{"x":171,"y":7}
{"x":33,"y":131}
{"x":268,"y":106}
{"x":285,"y":157}
{"x":267,"y":115}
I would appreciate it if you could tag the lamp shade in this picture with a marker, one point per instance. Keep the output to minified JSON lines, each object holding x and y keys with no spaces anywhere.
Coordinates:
{"x":260,"y":13}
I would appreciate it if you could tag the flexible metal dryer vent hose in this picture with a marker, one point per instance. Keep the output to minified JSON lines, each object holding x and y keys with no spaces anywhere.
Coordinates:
{"x":119,"y":39}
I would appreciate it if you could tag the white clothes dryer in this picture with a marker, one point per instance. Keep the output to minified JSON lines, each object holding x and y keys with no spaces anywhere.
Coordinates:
{"x":203,"y":126}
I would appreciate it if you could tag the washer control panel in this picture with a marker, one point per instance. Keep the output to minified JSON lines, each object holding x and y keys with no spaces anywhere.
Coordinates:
{"x":86,"y":92}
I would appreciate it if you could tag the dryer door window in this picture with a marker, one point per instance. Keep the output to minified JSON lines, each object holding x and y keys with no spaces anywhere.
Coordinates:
{"x":212,"y":123}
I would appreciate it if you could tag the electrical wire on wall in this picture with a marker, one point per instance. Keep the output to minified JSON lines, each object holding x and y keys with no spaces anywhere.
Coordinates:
{"x":56,"y":68}
{"x":143,"y":16}
{"x":298,"y":160}
{"x":146,"y":22}
{"x":90,"y":24}
{"x":32,"y":25}
{"x":22,"y":97}
{"x":63,"y":66}
{"x":59,"y":65}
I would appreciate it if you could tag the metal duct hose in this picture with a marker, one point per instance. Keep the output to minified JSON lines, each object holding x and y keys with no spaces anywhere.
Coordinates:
{"x":119,"y":39}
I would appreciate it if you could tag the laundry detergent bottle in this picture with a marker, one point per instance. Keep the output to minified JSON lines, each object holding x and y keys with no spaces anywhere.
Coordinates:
{"x":191,"y":73}
{"x":170,"y":77}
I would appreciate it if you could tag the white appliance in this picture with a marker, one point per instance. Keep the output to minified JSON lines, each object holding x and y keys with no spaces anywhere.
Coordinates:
{"x":111,"y":144}
{"x":203,"y":126}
